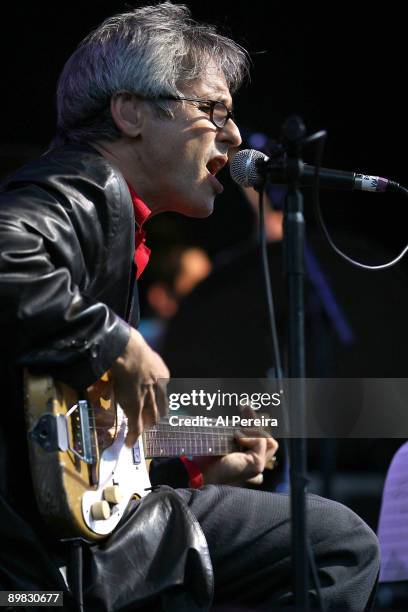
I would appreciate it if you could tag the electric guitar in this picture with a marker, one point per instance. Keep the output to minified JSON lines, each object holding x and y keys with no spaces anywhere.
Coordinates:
{"x":83,"y":474}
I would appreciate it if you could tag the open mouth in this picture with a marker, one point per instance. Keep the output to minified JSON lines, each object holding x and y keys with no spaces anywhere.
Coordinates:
{"x":215,"y":165}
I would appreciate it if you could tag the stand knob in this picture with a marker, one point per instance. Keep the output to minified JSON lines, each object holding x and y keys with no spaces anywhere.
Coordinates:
{"x":113,"y":494}
{"x":100,"y":510}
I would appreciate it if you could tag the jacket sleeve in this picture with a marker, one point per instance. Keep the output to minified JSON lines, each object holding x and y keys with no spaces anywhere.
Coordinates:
{"x":50,"y":248}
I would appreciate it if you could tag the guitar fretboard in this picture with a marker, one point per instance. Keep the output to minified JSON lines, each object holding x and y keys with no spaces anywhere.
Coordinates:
{"x":165,"y":440}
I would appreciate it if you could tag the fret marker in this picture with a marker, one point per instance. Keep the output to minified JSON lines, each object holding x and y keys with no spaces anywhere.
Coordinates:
{"x":210,"y":450}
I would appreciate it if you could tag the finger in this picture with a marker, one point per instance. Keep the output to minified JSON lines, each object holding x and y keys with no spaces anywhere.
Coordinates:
{"x":253,"y":460}
{"x":272,"y":446}
{"x":151,"y":414}
{"x":161,"y":397}
{"x":264,"y":448}
{"x":256,"y":480}
{"x":255,"y":454}
{"x":271,"y":463}
{"x":246,"y":411}
{"x":134,"y":413}
{"x":253,"y":432}
{"x":133,"y":433}
{"x":255,"y":464}
{"x":257,"y":445}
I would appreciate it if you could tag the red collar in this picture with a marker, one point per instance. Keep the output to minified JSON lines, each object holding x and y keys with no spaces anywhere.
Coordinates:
{"x":142,"y":212}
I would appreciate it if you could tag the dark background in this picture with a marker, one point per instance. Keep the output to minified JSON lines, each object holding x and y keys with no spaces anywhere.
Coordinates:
{"x":342,"y":67}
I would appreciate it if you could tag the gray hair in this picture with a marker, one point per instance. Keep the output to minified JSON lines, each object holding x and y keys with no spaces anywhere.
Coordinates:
{"x":151,"y":51}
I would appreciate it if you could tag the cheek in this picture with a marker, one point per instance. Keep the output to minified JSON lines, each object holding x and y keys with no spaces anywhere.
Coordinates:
{"x":188,"y":165}
{"x":181,"y":162}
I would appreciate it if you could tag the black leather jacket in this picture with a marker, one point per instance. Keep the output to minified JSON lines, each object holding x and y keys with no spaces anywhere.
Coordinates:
{"x":66,"y":285}
{"x":66,"y":236}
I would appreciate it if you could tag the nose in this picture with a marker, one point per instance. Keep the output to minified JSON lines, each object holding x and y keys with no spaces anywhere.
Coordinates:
{"x":230,"y":133}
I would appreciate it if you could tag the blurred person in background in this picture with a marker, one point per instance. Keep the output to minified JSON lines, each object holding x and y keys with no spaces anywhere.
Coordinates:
{"x":171,"y":275}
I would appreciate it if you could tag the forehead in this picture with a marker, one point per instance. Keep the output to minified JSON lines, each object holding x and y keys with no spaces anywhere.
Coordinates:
{"x":211,"y":85}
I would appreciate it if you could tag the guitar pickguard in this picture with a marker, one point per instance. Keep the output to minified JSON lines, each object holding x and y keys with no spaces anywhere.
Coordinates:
{"x":118,"y":466}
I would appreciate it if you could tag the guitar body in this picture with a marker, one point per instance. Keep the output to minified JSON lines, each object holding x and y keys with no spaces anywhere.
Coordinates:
{"x":83,"y":474}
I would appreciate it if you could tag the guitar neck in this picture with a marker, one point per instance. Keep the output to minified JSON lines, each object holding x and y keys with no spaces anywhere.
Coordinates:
{"x":165,"y":440}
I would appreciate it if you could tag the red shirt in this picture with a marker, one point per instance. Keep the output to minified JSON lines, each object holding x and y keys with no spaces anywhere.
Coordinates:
{"x":141,"y":259}
{"x":142,"y":212}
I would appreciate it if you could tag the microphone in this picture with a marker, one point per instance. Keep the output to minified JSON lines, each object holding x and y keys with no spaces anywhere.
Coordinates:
{"x":250,"y":168}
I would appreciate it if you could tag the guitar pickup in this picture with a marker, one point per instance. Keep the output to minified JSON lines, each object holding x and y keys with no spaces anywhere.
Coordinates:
{"x":83,"y":431}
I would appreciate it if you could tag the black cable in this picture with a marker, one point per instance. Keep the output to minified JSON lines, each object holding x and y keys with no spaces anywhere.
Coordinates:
{"x":271,"y":311}
{"x":358,"y":264}
{"x":268,"y":288}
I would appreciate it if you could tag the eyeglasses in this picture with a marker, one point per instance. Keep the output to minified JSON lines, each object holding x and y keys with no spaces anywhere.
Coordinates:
{"x":217,"y":111}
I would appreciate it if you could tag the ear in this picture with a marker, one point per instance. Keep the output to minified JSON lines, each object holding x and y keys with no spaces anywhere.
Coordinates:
{"x":128,"y":113}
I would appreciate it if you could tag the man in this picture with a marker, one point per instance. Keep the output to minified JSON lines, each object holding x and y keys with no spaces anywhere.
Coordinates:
{"x":144,"y":118}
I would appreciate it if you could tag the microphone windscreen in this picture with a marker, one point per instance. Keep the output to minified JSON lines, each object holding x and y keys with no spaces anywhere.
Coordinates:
{"x":243,"y":168}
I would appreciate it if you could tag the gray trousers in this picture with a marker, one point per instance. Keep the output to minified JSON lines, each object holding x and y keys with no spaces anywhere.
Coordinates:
{"x":248,"y":535}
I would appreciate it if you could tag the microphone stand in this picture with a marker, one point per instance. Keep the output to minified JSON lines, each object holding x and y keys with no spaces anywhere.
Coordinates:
{"x":293,"y":131}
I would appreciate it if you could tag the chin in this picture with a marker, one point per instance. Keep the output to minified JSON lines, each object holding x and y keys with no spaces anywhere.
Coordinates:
{"x":198,"y":210}
{"x":203,"y":213}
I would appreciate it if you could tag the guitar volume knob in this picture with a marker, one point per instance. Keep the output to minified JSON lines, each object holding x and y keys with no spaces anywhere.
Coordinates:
{"x":113,"y":494}
{"x":100,"y":510}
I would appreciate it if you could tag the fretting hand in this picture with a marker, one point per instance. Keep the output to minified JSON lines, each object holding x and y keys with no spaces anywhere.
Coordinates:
{"x":241,"y":467}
